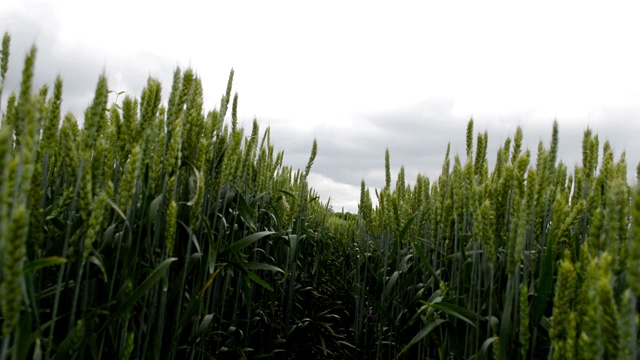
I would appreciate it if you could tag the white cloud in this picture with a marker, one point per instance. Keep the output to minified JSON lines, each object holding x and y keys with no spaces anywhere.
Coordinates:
{"x":343,"y":196}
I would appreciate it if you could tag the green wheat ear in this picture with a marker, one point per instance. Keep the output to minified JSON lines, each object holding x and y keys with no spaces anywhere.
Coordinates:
{"x":563,"y":331}
{"x":149,"y":104}
{"x":469,"y":139}
{"x":486,"y":233}
{"x":127,"y":185}
{"x":628,"y":326}
{"x":193,"y":129}
{"x":610,"y":319}
{"x":590,"y":342}
{"x":24,"y":110}
{"x":96,"y":223}
{"x":387,"y":170}
{"x":4,"y":62}
{"x":517,"y":145}
{"x":14,"y":257}
{"x":480,"y":167}
{"x":170,"y":226}
{"x":96,"y":115}
{"x":312,"y":157}
{"x":52,"y":120}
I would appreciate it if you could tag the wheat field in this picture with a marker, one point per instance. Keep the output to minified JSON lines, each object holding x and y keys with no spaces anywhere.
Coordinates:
{"x":161,"y":230}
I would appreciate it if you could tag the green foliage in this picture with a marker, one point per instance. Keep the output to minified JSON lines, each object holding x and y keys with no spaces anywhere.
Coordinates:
{"x":162,"y":231}
{"x":154,"y":232}
{"x":507,"y":252}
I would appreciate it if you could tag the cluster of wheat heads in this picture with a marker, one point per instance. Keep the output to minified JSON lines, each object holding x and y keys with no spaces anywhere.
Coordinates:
{"x":155,"y":231}
{"x":522,"y":262}
{"x":165,"y":231}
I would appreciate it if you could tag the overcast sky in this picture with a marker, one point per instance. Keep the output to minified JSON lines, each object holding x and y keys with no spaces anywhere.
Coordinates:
{"x":360,"y":76}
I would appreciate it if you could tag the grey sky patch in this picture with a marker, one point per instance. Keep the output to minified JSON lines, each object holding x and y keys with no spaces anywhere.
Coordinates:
{"x":79,"y":67}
